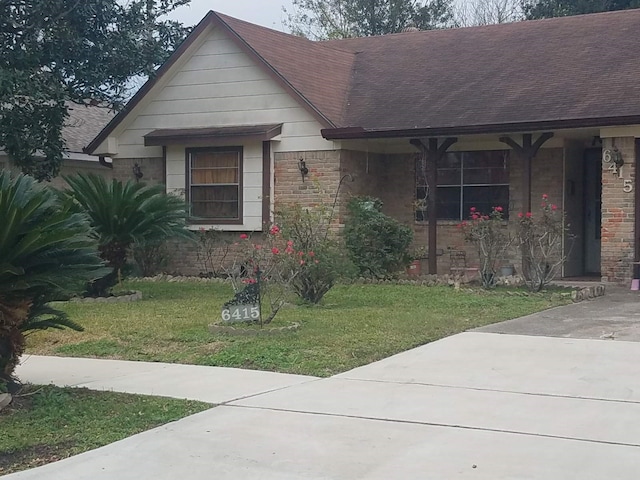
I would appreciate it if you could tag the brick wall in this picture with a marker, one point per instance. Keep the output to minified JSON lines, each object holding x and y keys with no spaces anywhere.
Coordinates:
{"x":153,"y":169}
{"x":390,"y":178}
{"x":618,"y":215}
{"x":396,"y":188}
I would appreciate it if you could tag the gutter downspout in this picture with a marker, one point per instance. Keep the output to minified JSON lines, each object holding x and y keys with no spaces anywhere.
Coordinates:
{"x":102,"y":161}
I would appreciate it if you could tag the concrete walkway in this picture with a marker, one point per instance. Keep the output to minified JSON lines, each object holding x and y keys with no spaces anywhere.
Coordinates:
{"x":476,"y":405}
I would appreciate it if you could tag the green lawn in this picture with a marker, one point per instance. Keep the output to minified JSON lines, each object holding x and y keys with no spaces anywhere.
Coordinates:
{"x":356,"y":325}
{"x":45,"y":424}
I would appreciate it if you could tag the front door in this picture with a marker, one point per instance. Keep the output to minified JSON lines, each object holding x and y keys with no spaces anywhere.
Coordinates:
{"x":592,"y":210}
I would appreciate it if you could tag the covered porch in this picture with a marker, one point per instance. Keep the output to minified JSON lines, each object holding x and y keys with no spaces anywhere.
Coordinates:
{"x":512,"y":170}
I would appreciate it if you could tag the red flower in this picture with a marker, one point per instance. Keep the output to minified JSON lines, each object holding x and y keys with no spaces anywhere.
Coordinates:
{"x":498,"y":209}
{"x":249,"y":280}
{"x":274,"y":230}
{"x":258,"y":247}
{"x":475,"y":216}
{"x":288,"y":250}
{"x":554,"y":207}
{"x":301,"y":262}
{"x":244,"y":236}
{"x":275,"y":250}
{"x":290,"y":243}
{"x":545,"y":196}
{"x":300,"y":254}
{"x":529,"y":215}
{"x":520,"y":215}
{"x":472,"y":209}
{"x":311,"y":254}
{"x":485,"y":217}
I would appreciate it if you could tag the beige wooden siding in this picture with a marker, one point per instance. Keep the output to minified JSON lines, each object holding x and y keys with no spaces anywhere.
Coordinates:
{"x":217,"y":84}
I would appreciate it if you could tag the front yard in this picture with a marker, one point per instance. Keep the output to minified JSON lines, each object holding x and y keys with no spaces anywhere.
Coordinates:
{"x":46,"y":424}
{"x":355,"y":325}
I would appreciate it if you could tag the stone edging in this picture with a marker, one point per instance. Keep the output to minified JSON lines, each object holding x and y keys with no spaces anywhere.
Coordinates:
{"x":578,"y":295}
{"x":133,"y":297}
{"x":217,"y":328}
{"x":588,"y":293}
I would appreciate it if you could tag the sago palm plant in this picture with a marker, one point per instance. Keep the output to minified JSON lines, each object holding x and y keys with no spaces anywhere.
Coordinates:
{"x":45,"y":250}
{"x":123,"y":214}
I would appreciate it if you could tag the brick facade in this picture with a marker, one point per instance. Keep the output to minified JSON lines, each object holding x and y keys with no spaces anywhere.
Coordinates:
{"x":391,"y":177}
{"x":618,"y":214}
{"x":153,"y":169}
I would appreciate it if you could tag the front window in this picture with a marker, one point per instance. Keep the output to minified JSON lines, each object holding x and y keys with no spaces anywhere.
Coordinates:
{"x":214,"y":184}
{"x":466,"y":179}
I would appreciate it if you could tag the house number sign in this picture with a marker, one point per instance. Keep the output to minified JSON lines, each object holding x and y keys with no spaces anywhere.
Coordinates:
{"x":615,"y":162}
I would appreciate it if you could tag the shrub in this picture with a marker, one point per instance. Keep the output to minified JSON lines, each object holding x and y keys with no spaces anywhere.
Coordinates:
{"x":125,"y":214}
{"x":326,"y":258}
{"x":45,"y":250}
{"x":540,"y":239}
{"x":264,"y":267}
{"x":150,"y":258}
{"x":212,"y":250}
{"x":378,"y":245}
{"x":491,"y":239}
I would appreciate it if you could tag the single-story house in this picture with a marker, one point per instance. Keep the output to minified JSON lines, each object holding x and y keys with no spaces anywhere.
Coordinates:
{"x":507,"y":112}
{"x":81,"y":126}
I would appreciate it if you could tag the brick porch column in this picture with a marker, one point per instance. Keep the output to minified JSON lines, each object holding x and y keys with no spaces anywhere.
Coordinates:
{"x":618,"y":213}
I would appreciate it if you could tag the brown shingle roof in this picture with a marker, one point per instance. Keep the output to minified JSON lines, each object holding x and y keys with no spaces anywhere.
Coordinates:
{"x":166,"y":136}
{"x":583,"y":67}
{"x":570,"y":71}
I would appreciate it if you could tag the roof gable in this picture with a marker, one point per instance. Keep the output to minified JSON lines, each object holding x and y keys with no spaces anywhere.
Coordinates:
{"x":563,"y":70}
{"x":257,"y":41}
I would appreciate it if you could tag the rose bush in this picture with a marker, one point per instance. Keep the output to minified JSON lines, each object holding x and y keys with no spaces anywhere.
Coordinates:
{"x":540,"y":239}
{"x":491,"y":239}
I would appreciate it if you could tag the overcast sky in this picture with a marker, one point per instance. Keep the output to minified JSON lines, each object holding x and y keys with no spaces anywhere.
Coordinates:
{"x":263,"y":12}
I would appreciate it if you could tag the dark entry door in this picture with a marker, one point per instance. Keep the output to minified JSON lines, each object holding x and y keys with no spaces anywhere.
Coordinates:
{"x":592,"y":210}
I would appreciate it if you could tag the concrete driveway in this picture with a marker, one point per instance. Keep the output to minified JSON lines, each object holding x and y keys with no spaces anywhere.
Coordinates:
{"x":476,"y":405}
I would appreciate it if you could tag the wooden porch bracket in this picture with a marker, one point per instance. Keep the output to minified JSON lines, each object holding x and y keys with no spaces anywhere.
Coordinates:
{"x":527,"y":151}
{"x":432,"y":153}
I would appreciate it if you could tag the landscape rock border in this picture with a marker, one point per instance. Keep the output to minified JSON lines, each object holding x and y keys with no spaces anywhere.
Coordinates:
{"x":131,"y":297}
{"x":220,"y":328}
{"x":579,"y":294}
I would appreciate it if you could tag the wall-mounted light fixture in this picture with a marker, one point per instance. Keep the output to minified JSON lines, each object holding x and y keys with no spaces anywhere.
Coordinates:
{"x":302,"y":166}
{"x":617,"y":157}
{"x":613,"y":155}
{"x":137,"y":172}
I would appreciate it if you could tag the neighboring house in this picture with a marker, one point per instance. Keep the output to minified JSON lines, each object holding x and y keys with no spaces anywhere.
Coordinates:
{"x":82,"y":125}
{"x":524,"y":109}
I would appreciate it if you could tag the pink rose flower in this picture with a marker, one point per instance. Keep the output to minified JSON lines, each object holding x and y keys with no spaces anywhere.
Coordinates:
{"x":244,"y":236}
